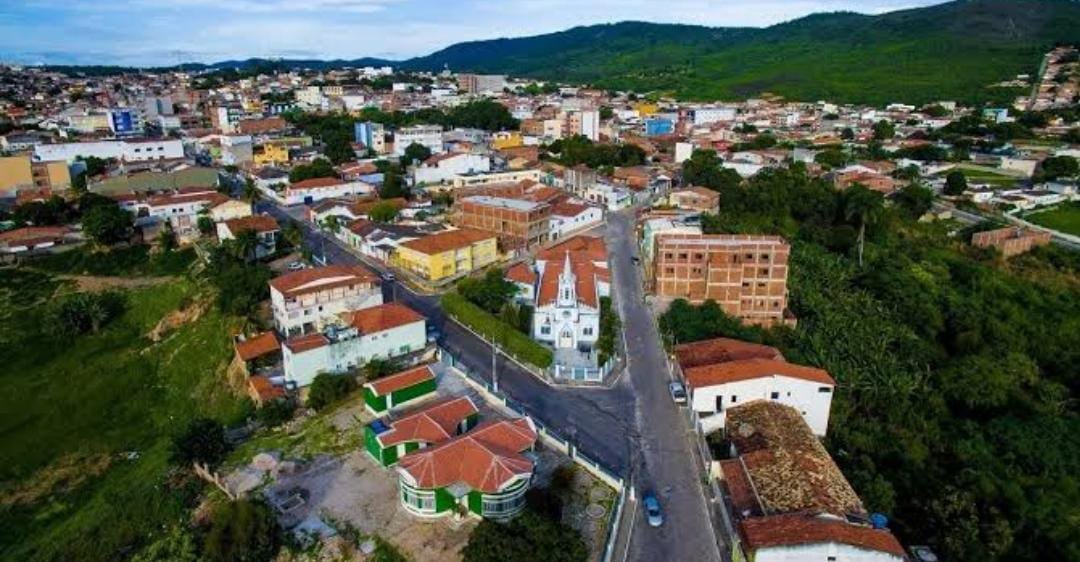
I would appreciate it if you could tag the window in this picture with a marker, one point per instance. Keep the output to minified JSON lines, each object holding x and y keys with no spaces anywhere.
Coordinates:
{"x":734,"y":398}
{"x":719,"y":403}
{"x":418,"y":499}
{"x":824,"y":389}
{"x":587,"y":331}
{"x":774,"y":395}
{"x":499,"y":506}
{"x":683,"y":255}
{"x":545,"y":330}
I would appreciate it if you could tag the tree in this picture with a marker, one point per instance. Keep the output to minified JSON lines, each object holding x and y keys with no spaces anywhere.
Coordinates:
{"x":529,"y":536}
{"x":955,"y":183}
{"x":206,"y":225}
{"x":865,"y":207}
{"x":393,"y":184}
{"x":884,"y":130}
{"x":1057,"y":167}
{"x":318,"y":168}
{"x":52,"y":211}
{"x":339,"y":149}
{"x":202,"y":441}
{"x":292,"y":234}
{"x":383,"y":212}
{"x":1072,"y":136}
{"x":251,"y":192}
{"x":490,"y":292}
{"x":833,"y":158}
{"x":704,"y":169}
{"x":175,"y":546}
{"x":328,"y":388}
{"x":95,"y":166}
{"x":914,"y":200}
{"x":606,"y":112}
{"x":245,"y":244}
{"x":242,"y":531}
{"x":78,"y":183}
{"x":847,"y":134}
{"x":107,"y":225}
{"x":415,"y":152}
{"x":166,"y":237}
{"x":379,"y":368}
{"x":82,"y":313}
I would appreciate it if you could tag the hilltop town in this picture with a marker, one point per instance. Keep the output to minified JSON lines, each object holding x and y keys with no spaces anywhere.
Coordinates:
{"x":369,"y":314}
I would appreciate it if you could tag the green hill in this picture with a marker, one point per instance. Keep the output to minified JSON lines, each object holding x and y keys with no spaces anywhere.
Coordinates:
{"x":948,"y":51}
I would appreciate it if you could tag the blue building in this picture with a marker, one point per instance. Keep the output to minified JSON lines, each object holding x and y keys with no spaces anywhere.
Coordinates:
{"x":655,"y":126}
{"x":369,"y":134}
{"x":123,"y":121}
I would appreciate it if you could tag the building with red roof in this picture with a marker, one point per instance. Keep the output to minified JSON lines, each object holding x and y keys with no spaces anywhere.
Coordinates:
{"x":316,"y":189}
{"x":305,"y":301}
{"x":387,"y":440}
{"x":723,"y":373}
{"x":385,"y":331}
{"x":485,"y":470}
{"x":265,"y":227}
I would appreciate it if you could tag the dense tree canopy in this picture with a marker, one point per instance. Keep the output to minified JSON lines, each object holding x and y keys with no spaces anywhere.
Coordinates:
{"x":704,"y":169}
{"x":529,"y":536}
{"x":202,"y":441}
{"x":242,"y":531}
{"x":318,"y":168}
{"x":108,"y":224}
{"x":580,"y":150}
{"x":490,"y":292}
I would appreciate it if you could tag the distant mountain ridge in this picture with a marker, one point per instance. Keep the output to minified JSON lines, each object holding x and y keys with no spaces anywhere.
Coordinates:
{"x":946,"y":51}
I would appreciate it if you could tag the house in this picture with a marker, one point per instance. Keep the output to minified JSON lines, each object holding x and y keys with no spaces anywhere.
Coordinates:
{"x":394,"y":391}
{"x":259,"y":350}
{"x":31,"y":238}
{"x":517,"y":222}
{"x":441,"y":168}
{"x":746,"y":275}
{"x":230,"y":209}
{"x":181,"y":209}
{"x":349,"y":208}
{"x":699,"y":199}
{"x":317,"y":189}
{"x":483,"y":471}
{"x":446,"y":254}
{"x":788,"y":499}
{"x":385,"y":331}
{"x":868,"y":178}
{"x":742,"y":372}
{"x":308,"y":300}
{"x":388,"y":440}
{"x":568,"y":217}
{"x":1011,"y":240}
{"x":429,"y":136}
{"x":261,"y":390}
{"x":265,"y":227}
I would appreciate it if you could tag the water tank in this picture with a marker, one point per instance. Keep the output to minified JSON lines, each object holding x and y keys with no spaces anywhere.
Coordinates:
{"x":879,"y":521}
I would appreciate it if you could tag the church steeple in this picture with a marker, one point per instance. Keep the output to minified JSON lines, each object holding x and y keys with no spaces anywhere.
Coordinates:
{"x":567,"y":284}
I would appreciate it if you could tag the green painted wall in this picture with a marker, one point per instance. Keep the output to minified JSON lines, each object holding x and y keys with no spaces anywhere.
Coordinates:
{"x":390,"y":456}
{"x":411,"y":446}
{"x":443,"y":500}
{"x":476,"y":502}
{"x":377,"y":403}
{"x":371,"y":444}
{"x":410,"y":392}
{"x":470,"y":422}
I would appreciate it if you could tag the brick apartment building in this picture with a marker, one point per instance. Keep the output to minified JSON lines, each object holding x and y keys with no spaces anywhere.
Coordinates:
{"x":518,"y":223}
{"x":745,"y":275}
{"x":1011,"y":240}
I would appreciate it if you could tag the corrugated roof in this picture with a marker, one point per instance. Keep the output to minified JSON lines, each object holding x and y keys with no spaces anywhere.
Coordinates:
{"x":720,"y":350}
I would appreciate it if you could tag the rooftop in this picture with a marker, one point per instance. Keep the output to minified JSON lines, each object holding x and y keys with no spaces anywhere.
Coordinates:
{"x":447,"y":241}
{"x":720,"y":350}
{"x":514,"y":204}
{"x":433,"y":424}
{"x":321,"y":279}
{"x":403,"y":379}
{"x":798,"y":529}
{"x":746,"y":369}
{"x":382,"y":317}
{"x":258,"y":345}
{"x":484,"y":459}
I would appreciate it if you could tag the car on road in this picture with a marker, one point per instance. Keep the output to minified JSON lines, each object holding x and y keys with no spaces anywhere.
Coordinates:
{"x":653,"y":512}
{"x":388,"y":276}
{"x":635,"y":259}
{"x":296,"y":266}
{"x":678,"y":392}
{"x":433,"y":334}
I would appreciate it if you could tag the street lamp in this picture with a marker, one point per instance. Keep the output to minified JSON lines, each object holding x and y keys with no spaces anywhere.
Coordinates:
{"x":494,"y":366}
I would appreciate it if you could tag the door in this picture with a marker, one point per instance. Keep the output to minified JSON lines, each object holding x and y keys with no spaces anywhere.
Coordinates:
{"x":566,"y":337}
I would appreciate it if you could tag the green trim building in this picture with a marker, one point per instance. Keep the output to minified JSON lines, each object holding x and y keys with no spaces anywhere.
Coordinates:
{"x":387,"y":393}
{"x":484,"y":472}
{"x":387,"y":441}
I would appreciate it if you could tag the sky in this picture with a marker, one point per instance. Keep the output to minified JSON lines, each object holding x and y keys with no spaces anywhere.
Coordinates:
{"x":165,"y":32}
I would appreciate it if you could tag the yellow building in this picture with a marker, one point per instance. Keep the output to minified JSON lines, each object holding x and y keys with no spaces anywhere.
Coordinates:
{"x":443,"y":255}
{"x":507,"y":139}
{"x":19,"y":173}
{"x":271,"y":153}
{"x":645,"y":108}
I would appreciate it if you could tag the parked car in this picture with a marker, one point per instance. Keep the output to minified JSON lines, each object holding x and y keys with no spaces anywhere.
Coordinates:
{"x":388,"y":276}
{"x":433,"y":334}
{"x":652,"y":509}
{"x":296,"y":266}
{"x":678,"y":392}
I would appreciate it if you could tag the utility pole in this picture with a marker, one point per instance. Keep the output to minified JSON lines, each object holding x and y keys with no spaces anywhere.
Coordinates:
{"x":494,"y":365}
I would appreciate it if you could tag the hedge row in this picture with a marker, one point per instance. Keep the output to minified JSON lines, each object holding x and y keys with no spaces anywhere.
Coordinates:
{"x":512,"y":341}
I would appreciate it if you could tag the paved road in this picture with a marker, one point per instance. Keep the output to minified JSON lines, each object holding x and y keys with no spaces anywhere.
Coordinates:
{"x":664,"y":462}
{"x":633,"y":428}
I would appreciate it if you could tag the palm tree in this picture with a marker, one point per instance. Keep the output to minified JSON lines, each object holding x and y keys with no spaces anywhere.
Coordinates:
{"x":251,"y":193}
{"x":247,"y":240}
{"x":864,"y":205}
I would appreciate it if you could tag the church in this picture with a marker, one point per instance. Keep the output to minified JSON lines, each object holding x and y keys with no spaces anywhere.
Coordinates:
{"x":564,"y":287}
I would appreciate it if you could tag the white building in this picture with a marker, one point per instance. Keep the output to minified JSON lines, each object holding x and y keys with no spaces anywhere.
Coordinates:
{"x":124,"y":151}
{"x":426,"y":135}
{"x":381,"y":332}
{"x":568,"y":218}
{"x":308,"y":300}
{"x":180,"y":210}
{"x":590,"y":125}
{"x":610,"y":197}
{"x":683,"y":152}
{"x":317,"y":189}
{"x":311,"y":97}
{"x":441,"y":168}
{"x":707,"y":115}
{"x":266,"y":231}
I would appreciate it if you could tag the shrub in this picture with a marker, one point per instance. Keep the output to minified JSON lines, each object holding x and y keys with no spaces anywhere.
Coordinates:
{"x":82,"y":313}
{"x":512,"y":341}
{"x":327,"y":389}
{"x":203,"y":441}
{"x":242,"y":531}
{"x":275,"y":412}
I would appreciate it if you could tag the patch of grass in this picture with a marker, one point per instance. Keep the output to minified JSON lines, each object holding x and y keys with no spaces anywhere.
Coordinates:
{"x":102,"y":395}
{"x":130,"y":261}
{"x":512,"y":341}
{"x":1063,"y":218}
{"x":317,"y":435}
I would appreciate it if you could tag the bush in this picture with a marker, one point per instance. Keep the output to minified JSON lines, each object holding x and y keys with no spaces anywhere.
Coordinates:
{"x":327,"y":389}
{"x":275,"y":412}
{"x":130,"y":261}
{"x":530,"y":536}
{"x":242,"y":531}
{"x":82,"y":313}
{"x":512,"y":341}
{"x":107,"y":225}
{"x":203,"y":441}
{"x":609,"y":331}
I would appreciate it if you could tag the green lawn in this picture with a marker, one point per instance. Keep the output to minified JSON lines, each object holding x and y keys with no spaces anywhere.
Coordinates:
{"x":1064,"y":218}
{"x":979,"y":174}
{"x":78,"y":404}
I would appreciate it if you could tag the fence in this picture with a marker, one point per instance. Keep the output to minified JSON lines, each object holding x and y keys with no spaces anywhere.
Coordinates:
{"x":552,"y":439}
{"x":581,"y":374}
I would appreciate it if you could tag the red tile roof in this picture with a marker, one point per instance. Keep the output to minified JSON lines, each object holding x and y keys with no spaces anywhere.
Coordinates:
{"x":321,"y":279}
{"x":262,"y":390}
{"x":521,"y":273}
{"x":740,"y":489}
{"x":401,"y":380}
{"x":382,"y":317}
{"x":257,"y":346}
{"x":484,"y":459}
{"x":300,"y":344}
{"x":34,"y":234}
{"x":434,"y":424}
{"x":585,"y":274}
{"x":746,"y":369}
{"x":721,"y":350}
{"x":315,"y":183}
{"x":567,"y":209}
{"x":447,"y":241}
{"x":258,"y":223}
{"x":591,"y":247}
{"x":800,"y":529}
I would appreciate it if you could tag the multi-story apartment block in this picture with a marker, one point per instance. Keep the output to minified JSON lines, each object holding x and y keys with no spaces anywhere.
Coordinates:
{"x":746,"y":275}
{"x":426,"y":135}
{"x":519,"y":223}
{"x":306,"y":301}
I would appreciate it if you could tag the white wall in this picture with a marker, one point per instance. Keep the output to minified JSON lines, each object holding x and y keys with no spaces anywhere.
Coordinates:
{"x":321,"y":308}
{"x":447,"y":169}
{"x":128,"y":151}
{"x":297,"y":196}
{"x":820,"y":552}
{"x":561,"y":226}
{"x":801,"y":394}
{"x":339,"y":357}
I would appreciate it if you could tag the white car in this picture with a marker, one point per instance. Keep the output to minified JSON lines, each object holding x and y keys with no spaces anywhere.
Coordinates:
{"x":678,"y":392}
